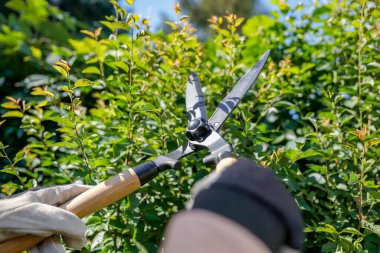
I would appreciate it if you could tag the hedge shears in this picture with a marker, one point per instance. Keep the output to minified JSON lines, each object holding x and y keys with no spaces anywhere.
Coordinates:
{"x":201,"y":133}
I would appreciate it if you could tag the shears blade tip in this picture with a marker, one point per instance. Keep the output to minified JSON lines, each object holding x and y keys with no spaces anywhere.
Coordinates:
{"x":265,"y":56}
{"x":192,"y":77}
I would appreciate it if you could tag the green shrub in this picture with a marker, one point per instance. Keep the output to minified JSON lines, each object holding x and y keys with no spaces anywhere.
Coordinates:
{"x":312,"y":118}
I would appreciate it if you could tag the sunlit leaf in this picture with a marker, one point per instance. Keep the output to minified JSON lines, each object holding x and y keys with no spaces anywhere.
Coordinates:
{"x":36,"y":52}
{"x":10,"y":105}
{"x":64,"y":144}
{"x":83,"y":83}
{"x":373,"y":142}
{"x":308,"y":153}
{"x":89,"y":33}
{"x":239,"y":21}
{"x":38,"y":91}
{"x":177,"y":8}
{"x":97,"y":32}
{"x":91,"y":70}
{"x":13,"y":114}
{"x":130,"y":2}
{"x":12,"y":99}
{"x":63,"y":121}
{"x":62,"y":67}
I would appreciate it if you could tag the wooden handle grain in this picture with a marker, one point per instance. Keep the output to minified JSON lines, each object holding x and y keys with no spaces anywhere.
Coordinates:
{"x":90,"y":201}
{"x":225,"y":163}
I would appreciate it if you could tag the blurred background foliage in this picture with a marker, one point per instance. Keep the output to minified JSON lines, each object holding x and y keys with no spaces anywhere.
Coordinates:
{"x":84,"y":98}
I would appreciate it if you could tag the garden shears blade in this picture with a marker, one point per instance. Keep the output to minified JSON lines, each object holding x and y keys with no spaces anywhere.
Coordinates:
{"x":195,"y":100}
{"x":230,"y":102}
{"x":203,"y":133}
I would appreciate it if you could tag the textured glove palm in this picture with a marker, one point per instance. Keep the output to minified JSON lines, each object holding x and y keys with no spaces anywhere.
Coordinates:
{"x":35,"y":212}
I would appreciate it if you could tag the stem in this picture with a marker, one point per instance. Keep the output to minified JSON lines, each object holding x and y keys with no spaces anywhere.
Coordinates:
{"x":5,"y":155}
{"x":131,"y":52}
{"x":361,"y":216}
{"x":83,"y":153}
{"x":360,"y":60}
{"x":116,"y":19}
{"x":116,"y":31}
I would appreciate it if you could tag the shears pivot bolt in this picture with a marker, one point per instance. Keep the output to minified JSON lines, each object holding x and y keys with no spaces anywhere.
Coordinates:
{"x":197,"y":130}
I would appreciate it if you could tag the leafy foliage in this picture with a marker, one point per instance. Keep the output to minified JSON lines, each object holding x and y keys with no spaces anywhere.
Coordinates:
{"x":116,"y":100}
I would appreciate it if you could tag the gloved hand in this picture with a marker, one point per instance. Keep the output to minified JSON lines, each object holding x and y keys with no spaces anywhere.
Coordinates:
{"x":35,"y":212}
{"x":252,"y":196}
{"x":242,"y":208}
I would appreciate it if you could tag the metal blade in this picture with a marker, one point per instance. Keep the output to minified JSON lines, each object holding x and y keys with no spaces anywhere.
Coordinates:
{"x":195,"y":100}
{"x":230,"y":102}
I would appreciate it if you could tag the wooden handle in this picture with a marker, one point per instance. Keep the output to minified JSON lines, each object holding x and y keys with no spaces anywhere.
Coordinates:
{"x":225,"y":163}
{"x":90,"y":201}
{"x":103,"y":194}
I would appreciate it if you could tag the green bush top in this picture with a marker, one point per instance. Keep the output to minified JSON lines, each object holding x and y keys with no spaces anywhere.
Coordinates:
{"x":91,"y":106}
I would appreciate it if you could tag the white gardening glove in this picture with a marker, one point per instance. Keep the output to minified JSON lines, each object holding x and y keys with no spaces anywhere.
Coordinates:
{"x":35,"y":212}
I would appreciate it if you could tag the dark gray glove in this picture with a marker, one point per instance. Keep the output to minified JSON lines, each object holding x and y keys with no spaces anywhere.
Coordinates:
{"x":253,"y":197}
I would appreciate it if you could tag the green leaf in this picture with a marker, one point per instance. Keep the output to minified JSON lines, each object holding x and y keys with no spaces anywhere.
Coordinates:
{"x":93,"y":220}
{"x":184,"y":18}
{"x":317,"y":168}
{"x":368,"y":80}
{"x":139,"y":245}
{"x":64,"y":144}
{"x":62,"y":121}
{"x":352,"y":102}
{"x":42,"y":103}
{"x":371,"y":227}
{"x":13,"y":114}
{"x":353,"y":231}
{"x":19,"y":156}
{"x":171,"y":24}
{"x":130,"y":2}
{"x":36,"y":52}
{"x":239,"y":21}
{"x":256,"y":23}
{"x":373,"y":142}
{"x":10,"y":171}
{"x":116,"y":25}
{"x":100,"y":162}
{"x":83,"y":83}
{"x":62,"y":67}
{"x":38,"y":91}
{"x":307,"y":67}
{"x":91,"y":70}
{"x":327,"y":229}
{"x":65,"y":88}
{"x":120,"y":65}
{"x":89,"y":33}
{"x":142,"y":33}
{"x":308,"y":153}
{"x":374,"y":195}
{"x":292,"y":154}
{"x":9,"y":105}
{"x":149,"y":151}
{"x":353,"y":179}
